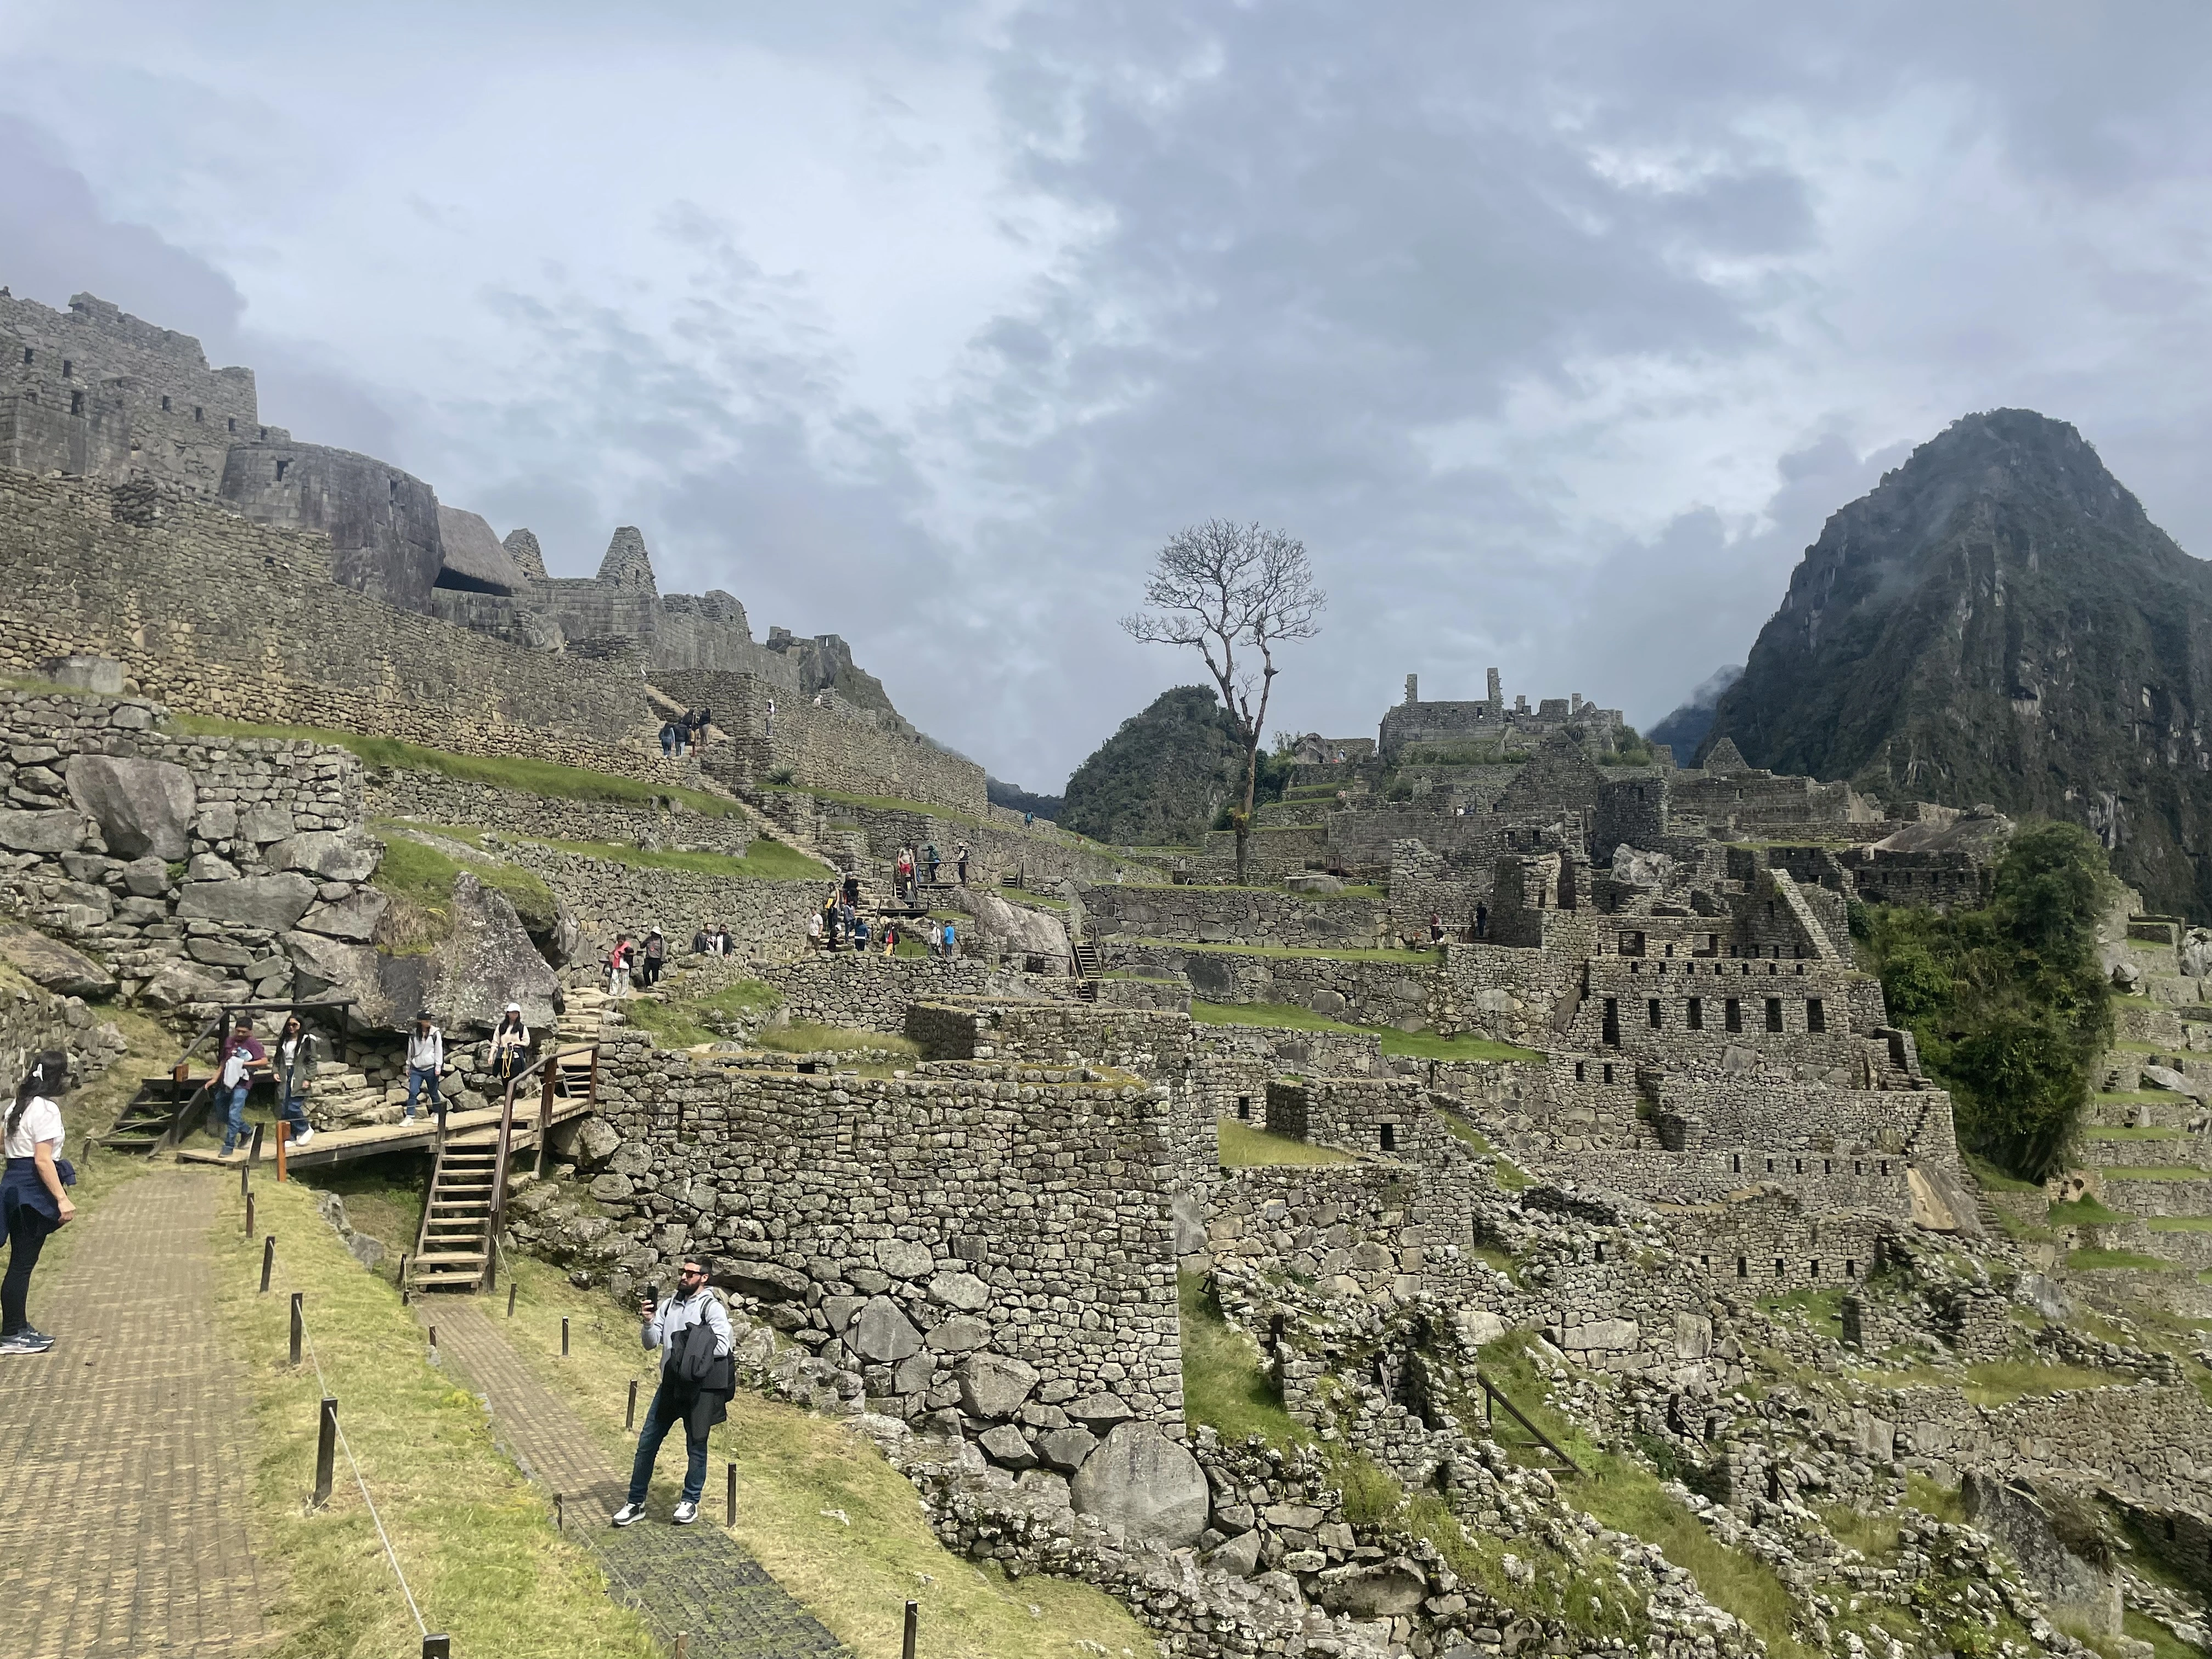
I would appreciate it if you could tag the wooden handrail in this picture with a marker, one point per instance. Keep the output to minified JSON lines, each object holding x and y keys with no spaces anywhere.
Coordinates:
{"x":546,"y":1064}
{"x":1492,"y":1394}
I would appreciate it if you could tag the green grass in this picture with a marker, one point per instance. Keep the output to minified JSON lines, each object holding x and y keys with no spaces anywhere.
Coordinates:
{"x":1413,"y":1045}
{"x":475,"y":1540}
{"x":1823,"y":1310}
{"x":1873,"y":1537}
{"x":1023,"y":896}
{"x":1347,"y":953}
{"x":2153,"y":1172}
{"x":418,"y":878}
{"x":764,"y":860}
{"x":383,"y":1197}
{"x":2179,"y":1224}
{"x":1225,"y":1381}
{"x":1244,"y":1147}
{"x":2099,"y":1261}
{"x":1998,"y":1381}
{"x":1934,"y":1500}
{"x":1510,"y":1175}
{"x":2107,"y":1132}
{"x":820,"y":1508}
{"x":2085,"y":1212}
{"x":681,"y":1022}
{"x":803,"y":1037}
{"x":515,"y":772}
{"x":888,"y":804}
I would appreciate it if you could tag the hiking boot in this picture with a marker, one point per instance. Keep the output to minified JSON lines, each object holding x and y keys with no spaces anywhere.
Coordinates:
{"x":629,"y":1514}
{"x":686,"y":1513}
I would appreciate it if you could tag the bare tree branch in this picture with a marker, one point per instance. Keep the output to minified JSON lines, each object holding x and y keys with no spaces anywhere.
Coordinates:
{"x":1220,"y":588}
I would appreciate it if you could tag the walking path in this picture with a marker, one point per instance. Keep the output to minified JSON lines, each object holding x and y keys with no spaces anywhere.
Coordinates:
{"x":125,"y":1446}
{"x":696,"y":1579}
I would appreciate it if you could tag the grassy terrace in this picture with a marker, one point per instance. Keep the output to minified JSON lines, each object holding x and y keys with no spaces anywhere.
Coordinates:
{"x":1997,"y":1382}
{"x":2101,"y":1260}
{"x":1247,"y":1146}
{"x":1412,"y":1045}
{"x":525,"y":776}
{"x":1351,"y":890}
{"x":1347,"y":953}
{"x":765,"y":860}
{"x":418,"y":878}
{"x":2153,"y":1172}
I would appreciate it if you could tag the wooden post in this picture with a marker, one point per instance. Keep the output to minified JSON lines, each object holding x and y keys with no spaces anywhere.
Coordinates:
{"x":733,"y":1492}
{"x":284,"y":1140}
{"x":510,"y":1295}
{"x":438,"y":1647}
{"x":245,"y":1175}
{"x":254,"y":1159}
{"x":268,"y":1260}
{"x":545,"y":1100}
{"x":913,"y":1624}
{"x":299,"y":1324}
{"x":327,"y":1446}
{"x":630,"y":1417}
{"x":249,"y":1215}
{"x":402,"y":1279}
{"x":434,"y":1339}
{"x":564,"y":1336}
{"x":682,"y":1644}
{"x":559,"y":1518}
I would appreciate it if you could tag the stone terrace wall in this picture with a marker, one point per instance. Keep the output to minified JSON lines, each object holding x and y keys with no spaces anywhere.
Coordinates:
{"x":1040,"y":858}
{"x":767,"y":920}
{"x":1388,"y":1117}
{"x":2151,"y":1442}
{"x":926,"y":1223}
{"x":1359,"y":1229}
{"x":1235,"y":915}
{"x":243,"y":860}
{"x":822,"y":748}
{"x":433,"y":798}
{"x":1722,"y":1109}
{"x":1156,"y":1046}
{"x":212,"y":613}
{"x":32,"y":1021}
{"x":871,"y":993}
{"x":1876,"y":1185}
{"x":1375,"y":992}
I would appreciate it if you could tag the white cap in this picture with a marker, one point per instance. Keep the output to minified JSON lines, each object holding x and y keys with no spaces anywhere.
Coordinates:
{"x":513,"y":1007}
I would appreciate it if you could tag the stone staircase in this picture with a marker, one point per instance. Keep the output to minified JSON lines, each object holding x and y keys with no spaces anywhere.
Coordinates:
{"x":341,"y":1097}
{"x":1786,"y":889}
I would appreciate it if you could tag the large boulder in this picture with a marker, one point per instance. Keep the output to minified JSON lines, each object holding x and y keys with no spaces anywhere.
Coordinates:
{"x":882,"y":1333}
{"x":1383,"y":1589}
{"x":991,"y":1385}
{"x":273,"y":903}
{"x":41,"y":832}
{"x":999,"y":926}
{"x":488,"y":962}
{"x":50,"y":965}
{"x":1145,"y":1487}
{"x":144,"y":807}
{"x":334,"y":855}
{"x":102,"y":675}
{"x":354,"y":917}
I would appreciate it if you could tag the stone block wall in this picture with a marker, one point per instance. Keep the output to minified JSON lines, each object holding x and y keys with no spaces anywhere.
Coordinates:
{"x":1813,"y":1002}
{"x":194,"y":876}
{"x":871,"y":993}
{"x":2148,"y":1443}
{"x":433,"y":797}
{"x":209,"y":612}
{"x":1040,"y":859}
{"x":1364,"y":1228}
{"x":767,"y":920}
{"x":1362,"y":991}
{"x":32,"y":1022}
{"x":1376,"y":1117}
{"x":1829,"y":1185}
{"x":1803,"y":1117}
{"x":944,"y":1232}
{"x":1235,"y":915}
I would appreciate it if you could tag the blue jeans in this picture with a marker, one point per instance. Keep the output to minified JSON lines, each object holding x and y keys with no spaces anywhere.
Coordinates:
{"x":662,"y":1415}
{"x":295,"y":1109}
{"x":418,"y":1078}
{"x":234,"y":1124}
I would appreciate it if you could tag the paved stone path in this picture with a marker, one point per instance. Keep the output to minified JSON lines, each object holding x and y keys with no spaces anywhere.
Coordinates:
{"x":123,"y":1449}
{"x":697,"y":1579}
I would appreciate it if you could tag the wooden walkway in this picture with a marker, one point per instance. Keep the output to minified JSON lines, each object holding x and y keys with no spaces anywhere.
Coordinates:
{"x":337,"y":1145}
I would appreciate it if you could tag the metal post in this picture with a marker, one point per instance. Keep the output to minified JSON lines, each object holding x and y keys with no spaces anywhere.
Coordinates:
{"x":326,"y":1447}
{"x":630,"y":1417}
{"x":299,"y":1324}
{"x":733,"y":1492}
{"x":564,"y":1336}
{"x":510,"y":1295}
{"x":913,"y":1623}
{"x":249,"y":1215}
{"x":438,"y":1647}
{"x":268,"y":1260}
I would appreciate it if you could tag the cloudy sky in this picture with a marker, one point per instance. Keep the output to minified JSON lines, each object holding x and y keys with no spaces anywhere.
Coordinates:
{"x":1555,"y":330}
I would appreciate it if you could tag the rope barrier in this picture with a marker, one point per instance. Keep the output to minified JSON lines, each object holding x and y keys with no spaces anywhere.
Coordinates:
{"x":361,"y":1480}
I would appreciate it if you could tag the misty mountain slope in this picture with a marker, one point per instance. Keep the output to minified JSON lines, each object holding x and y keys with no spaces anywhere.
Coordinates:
{"x":1684,"y":729}
{"x":2000,"y":620}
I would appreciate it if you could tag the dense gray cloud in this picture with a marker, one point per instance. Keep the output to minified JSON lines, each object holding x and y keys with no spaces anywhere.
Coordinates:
{"x":1555,"y":331}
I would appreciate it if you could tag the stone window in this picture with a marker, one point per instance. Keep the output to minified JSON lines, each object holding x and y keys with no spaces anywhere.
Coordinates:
{"x":1816,"y":1269}
{"x":395,"y":489}
{"x":1827,"y":1166}
{"x":76,"y":403}
{"x":1731,"y":1014}
{"x":1696,"y":1013}
{"x":165,"y":406}
{"x":199,"y":414}
{"x":282,"y":467}
{"x":1743,"y":1266}
{"x":1816,"y":1015}
{"x":1774,"y":1013}
{"x":1651,"y":1011}
{"x":1608,"y":1073}
{"x":1244,"y":1107}
{"x":1781,"y":1268}
{"x":1858,"y":1166}
{"x":1885,"y":1166}
{"x":1850,"y":1269}
{"x":1389,"y":1137}
{"x":68,"y":369}
{"x":231,"y":423}
{"x":1800,"y":1165}
{"x":1735,"y":1162}
{"x":1770,"y":1166}
{"x":264,"y":434}
{"x":1582,"y":1072}
{"x":1612,"y":1033}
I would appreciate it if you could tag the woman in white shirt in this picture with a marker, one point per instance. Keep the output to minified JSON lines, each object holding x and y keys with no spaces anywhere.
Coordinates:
{"x":33,"y":1195}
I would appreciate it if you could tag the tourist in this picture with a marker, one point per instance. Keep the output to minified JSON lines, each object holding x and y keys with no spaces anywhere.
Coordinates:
{"x":771,"y":717}
{"x":930,"y":861}
{"x":890,"y":938}
{"x":706,"y":719}
{"x":34,"y":1197}
{"x":830,"y":919}
{"x":510,"y":1044}
{"x":1029,"y":820}
{"x":426,"y":1058}
{"x":296,"y":1055}
{"x":655,"y":953}
{"x":667,"y":739}
{"x":618,"y":965}
{"x":852,"y":887}
{"x":847,"y":918}
{"x":960,"y":858}
{"x":242,"y":1057}
{"x":952,"y":945}
{"x":905,"y":874}
{"x":695,"y":1390}
{"x":814,"y":929}
{"x":859,"y":935}
{"x":702,"y":942}
{"x":723,"y":942}
{"x":1436,"y":928}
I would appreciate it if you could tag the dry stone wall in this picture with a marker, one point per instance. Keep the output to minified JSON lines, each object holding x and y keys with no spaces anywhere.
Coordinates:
{"x":433,"y":797}
{"x":1361,"y":990}
{"x":1235,"y":915}
{"x":767,"y":920}
{"x":970,"y":1243}
{"x":871,"y":993}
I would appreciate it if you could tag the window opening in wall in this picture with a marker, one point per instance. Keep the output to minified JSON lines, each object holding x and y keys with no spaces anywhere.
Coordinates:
{"x":1670,"y":950}
{"x":1389,"y":1137}
{"x":1815,"y":1268}
{"x":1713,"y":943}
{"x":395,"y":489}
{"x":1801,"y":964}
{"x":282,"y":467}
{"x":264,"y":434}
{"x":231,"y":423}
{"x":1697,"y":1013}
{"x":1801,"y":1166}
{"x":1858,"y":1166}
{"x":1735,"y":1162}
{"x":1608,"y":1073}
{"x":76,"y":403}
{"x":1770,"y":1166}
{"x":1816,"y":1014}
{"x":1611,"y":1030}
{"x":1850,"y":1269}
{"x":1244,"y":1107}
{"x":1781,"y":1268}
{"x":1770,"y":909}
{"x":1582,"y":1072}
{"x":28,"y":355}
{"x":68,"y":369}
{"x":1774,"y":1013}
{"x":1705,"y":1264}
{"x":199,"y":413}
{"x":1601,"y":1253}
{"x":1827,"y":1166}
{"x":165,"y":406}
{"x":1663,"y":967}
{"x":1651,"y":1011}
{"x":1885,"y":1166}
{"x":1743,"y":1266}
{"x":1731,"y":1014}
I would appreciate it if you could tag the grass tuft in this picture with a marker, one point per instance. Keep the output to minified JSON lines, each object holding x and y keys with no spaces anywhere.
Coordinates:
{"x":1225,"y":1381}
{"x":1414,"y":1045}
{"x":1245,"y":1146}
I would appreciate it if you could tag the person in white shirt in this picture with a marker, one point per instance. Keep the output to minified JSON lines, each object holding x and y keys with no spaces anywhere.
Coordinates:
{"x":35,"y":1199}
{"x":426,"y":1058}
{"x":698,"y":1401}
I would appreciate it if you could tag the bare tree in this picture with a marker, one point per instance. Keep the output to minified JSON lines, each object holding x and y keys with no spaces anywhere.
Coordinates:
{"x":1233,"y":591}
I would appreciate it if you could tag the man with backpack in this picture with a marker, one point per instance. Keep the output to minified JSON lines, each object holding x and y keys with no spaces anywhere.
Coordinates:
{"x":692,"y":1331}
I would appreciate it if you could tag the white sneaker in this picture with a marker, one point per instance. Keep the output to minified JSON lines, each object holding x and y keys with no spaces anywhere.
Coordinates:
{"x":628,"y":1513}
{"x":303,"y":1136}
{"x":686,"y":1513}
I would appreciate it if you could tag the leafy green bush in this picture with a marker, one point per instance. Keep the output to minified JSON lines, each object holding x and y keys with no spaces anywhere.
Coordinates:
{"x":2008,"y":1002}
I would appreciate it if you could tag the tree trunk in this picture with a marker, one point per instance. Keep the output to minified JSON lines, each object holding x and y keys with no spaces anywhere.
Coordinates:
{"x":1244,"y":818}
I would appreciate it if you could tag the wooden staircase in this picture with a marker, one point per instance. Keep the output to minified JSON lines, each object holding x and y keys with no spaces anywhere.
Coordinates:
{"x":1086,"y":972}
{"x":155,"y":1117}
{"x":454,"y":1246}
